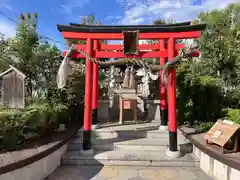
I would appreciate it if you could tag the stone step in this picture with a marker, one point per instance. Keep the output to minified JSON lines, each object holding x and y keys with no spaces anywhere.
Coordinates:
{"x":123,"y":144}
{"x":154,"y":134}
{"x":129,"y":158}
{"x":128,"y":131}
{"x":129,"y":142}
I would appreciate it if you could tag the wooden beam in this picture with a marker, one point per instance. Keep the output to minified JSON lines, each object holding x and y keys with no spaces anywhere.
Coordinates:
{"x":144,"y":36}
{"x":119,"y":47}
{"x":105,"y":54}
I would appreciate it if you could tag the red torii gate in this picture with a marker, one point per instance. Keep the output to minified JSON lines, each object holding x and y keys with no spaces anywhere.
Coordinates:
{"x":93,"y":34}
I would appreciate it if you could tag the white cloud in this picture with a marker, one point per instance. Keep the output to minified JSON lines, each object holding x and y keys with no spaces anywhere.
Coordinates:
{"x":68,"y":7}
{"x":7,"y":28}
{"x":6,"y":6}
{"x":112,"y":17}
{"x":144,"y":11}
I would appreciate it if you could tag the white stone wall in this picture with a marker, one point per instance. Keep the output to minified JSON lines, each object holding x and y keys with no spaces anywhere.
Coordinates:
{"x":39,"y":169}
{"x":215,"y":168}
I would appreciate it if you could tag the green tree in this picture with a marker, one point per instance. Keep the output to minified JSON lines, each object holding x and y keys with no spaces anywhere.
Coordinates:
{"x":219,"y":44}
{"x":32,"y":55}
{"x":5,"y":60}
{"x":86,"y":20}
{"x":24,"y":48}
{"x":202,"y":84}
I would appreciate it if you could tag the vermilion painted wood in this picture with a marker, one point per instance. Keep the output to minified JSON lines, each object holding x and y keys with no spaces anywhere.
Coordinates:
{"x":143,"y":54}
{"x":88,"y":89}
{"x":172,"y":123}
{"x":196,"y":54}
{"x":96,"y":46}
{"x":104,"y":54}
{"x":119,"y":47}
{"x":163,"y":96}
{"x":119,"y":36}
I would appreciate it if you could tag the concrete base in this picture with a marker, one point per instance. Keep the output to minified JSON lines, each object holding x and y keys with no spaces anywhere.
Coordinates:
{"x":163,"y":128}
{"x":154,"y":110}
{"x":215,"y":168}
{"x":38,"y":170}
{"x":173,"y":154}
{"x":86,"y":152}
{"x":103,"y":110}
{"x":94,"y":127}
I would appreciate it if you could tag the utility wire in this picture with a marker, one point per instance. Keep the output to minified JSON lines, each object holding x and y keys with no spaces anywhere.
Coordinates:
{"x":41,"y":36}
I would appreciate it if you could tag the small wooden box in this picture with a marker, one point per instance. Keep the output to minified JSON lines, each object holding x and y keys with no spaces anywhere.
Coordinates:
{"x":220,"y":134}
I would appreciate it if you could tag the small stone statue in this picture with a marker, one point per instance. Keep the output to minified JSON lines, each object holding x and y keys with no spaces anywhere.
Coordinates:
{"x":146,"y":77}
{"x":112,"y":77}
{"x":126,"y":78}
{"x":132,"y":81}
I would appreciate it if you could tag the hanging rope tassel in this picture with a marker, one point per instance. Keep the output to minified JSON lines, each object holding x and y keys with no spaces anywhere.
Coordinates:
{"x":64,"y":70}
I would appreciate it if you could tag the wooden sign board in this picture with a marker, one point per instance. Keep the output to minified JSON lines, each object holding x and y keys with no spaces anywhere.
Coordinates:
{"x":221,"y":132}
{"x":130,"y":104}
{"x":126,"y":104}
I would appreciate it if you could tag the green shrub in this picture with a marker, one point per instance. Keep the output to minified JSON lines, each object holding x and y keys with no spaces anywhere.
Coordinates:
{"x":231,"y":114}
{"x":11,"y":129}
{"x":234,"y":115}
{"x":37,"y":119}
{"x":62,"y":113}
{"x":205,"y":126}
{"x":199,"y":98}
{"x":40,"y":118}
{"x":232,"y":98}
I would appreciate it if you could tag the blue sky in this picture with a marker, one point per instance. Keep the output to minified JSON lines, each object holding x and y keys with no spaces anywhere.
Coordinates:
{"x":52,"y":12}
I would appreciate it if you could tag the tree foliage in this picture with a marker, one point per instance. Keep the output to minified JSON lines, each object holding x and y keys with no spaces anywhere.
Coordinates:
{"x":32,"y":55}
{"x":86,"y":20}
{"x":219,"y":44}
{"x":208,"y":85}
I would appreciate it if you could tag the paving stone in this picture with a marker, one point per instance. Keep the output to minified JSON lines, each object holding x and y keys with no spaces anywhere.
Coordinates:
{"x":98,"y":177}
{"x":148,"y":173}
{"x":138,"y":178}
{"x":108,"y":172}
{"x":168,"y":173}
{"x":127,"y":173}
{"x":201,"y":175}
{"x":186,"y":175}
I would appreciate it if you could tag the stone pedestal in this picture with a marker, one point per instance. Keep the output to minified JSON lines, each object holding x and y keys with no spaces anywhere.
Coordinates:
{"x":103,"y":110}
{"x":153,"y":110}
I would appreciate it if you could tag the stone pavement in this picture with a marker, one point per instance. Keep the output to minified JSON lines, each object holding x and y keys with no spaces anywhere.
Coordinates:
{"x":127,"y":173}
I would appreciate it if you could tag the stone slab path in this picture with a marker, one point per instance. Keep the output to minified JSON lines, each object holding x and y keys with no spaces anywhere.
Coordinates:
{"x":127,"y":173}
